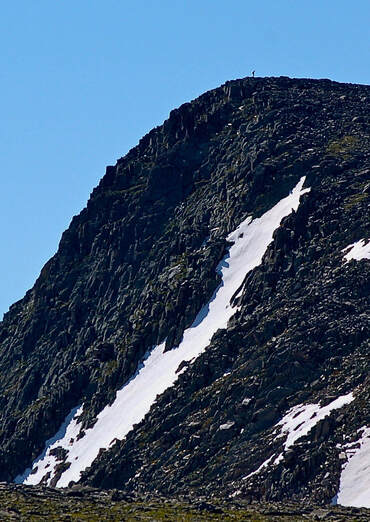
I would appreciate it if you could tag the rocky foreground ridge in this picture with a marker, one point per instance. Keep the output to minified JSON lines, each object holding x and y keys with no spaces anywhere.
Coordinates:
{"x":37,"y":503}
{"x":139,"y":262}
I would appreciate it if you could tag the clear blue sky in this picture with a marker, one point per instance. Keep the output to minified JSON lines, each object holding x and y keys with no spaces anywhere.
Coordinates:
{"x":81,"y":81}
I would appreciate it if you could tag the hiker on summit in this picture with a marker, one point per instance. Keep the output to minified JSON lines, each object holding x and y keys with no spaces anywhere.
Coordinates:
{"x":253,"y":74}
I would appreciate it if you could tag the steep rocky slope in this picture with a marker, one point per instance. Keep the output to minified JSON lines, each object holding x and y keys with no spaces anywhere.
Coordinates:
{"x":139,"y":262}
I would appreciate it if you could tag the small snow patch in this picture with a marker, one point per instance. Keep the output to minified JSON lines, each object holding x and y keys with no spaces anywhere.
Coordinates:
{"x":302,"y":418}
{"x":298,"y":422}
{"x":227,"y":425}
{"x":358,"y":250}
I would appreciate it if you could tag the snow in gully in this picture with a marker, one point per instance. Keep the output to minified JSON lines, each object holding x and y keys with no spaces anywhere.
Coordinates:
{"x":157,"y":371}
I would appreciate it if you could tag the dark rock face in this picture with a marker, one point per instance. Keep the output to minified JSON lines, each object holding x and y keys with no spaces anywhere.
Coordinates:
{"x":139,"y":261}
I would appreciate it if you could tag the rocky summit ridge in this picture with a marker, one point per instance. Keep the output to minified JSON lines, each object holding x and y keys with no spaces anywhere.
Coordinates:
{"x":276,"y":406}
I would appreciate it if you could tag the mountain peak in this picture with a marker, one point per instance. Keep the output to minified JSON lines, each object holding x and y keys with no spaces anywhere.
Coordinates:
{"x":203,"y":322}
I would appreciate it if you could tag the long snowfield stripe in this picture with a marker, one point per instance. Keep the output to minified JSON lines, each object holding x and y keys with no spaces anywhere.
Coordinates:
{"x":354,"y":486}
{"x":157,"y":371}
{"x":358,"y":250}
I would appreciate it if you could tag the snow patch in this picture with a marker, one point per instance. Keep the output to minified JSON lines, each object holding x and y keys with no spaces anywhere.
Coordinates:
{"x":260,"y":468}
{"x":354,"y":487}
{"x":358,"y":250}
{"x":227,"y":425}
{"x":298,"y":422}
{"x":157,"y":371}
{"x":301,"y":419}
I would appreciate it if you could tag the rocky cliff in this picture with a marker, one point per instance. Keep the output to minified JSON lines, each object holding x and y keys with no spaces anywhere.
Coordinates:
{"x":138,"y":263}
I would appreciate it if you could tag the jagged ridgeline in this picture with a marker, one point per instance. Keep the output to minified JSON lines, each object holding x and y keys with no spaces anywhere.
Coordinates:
{"x":205,"y":319}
